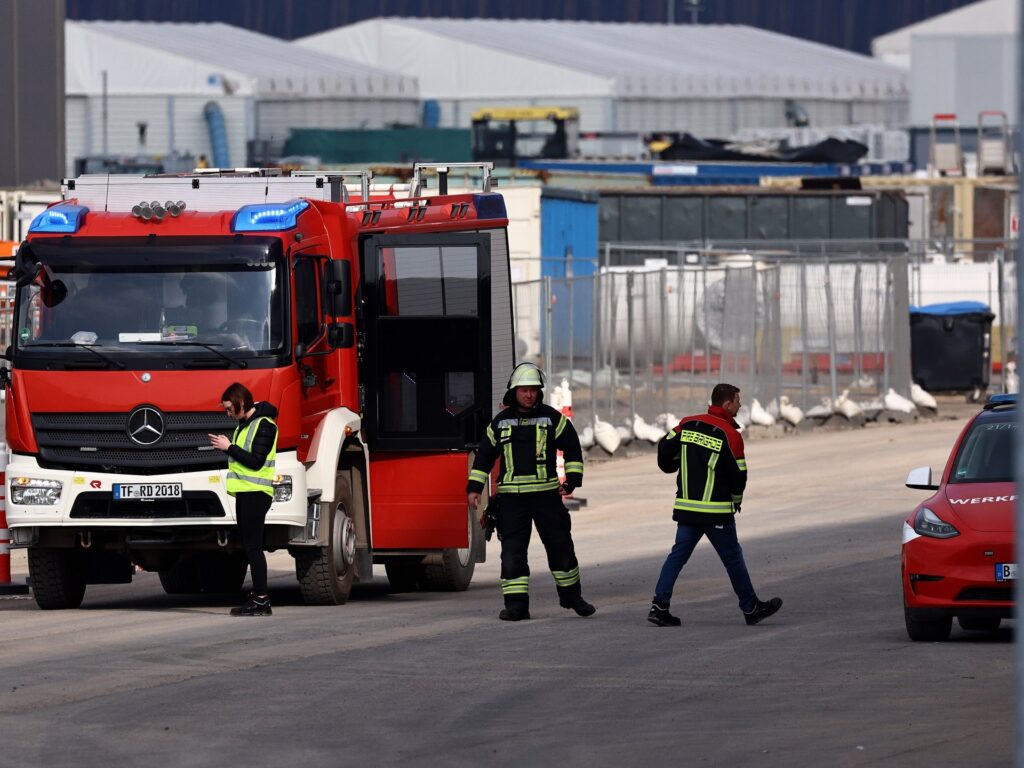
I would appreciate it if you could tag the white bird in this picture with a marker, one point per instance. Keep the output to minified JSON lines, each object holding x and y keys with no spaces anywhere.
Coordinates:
{"x":586,"y":438}
{"x":921,"y":398}
{"x":743,"y":417}
{"x":625,"y":434}
{"x":821,"y":411}
{"x":759,"y":415}
{"x":790,"y":412}
{"x":644,"y":431}
{"x":864,"y":382}
{"x":773,"y":409}
{"x":606,"y":436}
{"x":896,"y":402}
{"x":847,"y":407}
{"x":666,"y":421}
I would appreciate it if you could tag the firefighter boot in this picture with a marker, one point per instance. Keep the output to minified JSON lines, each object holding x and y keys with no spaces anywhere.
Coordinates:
{"x":516,"y":609}
{"x":571,"y":598}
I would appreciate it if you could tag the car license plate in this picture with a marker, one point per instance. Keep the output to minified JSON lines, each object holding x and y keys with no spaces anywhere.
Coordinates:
{"x":1006,"y":571}
{"x":146,"y":491}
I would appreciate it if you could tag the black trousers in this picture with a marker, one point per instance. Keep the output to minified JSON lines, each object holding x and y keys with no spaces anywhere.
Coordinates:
{"x":251,"y":509}
{"x":519,"y":513}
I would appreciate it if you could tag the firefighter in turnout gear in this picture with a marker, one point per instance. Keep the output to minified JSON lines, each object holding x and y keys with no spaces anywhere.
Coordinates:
{"x":706,"y":452}
{"x":526,"y":437}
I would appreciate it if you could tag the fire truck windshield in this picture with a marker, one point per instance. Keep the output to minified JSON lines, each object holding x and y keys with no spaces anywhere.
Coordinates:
{"x":236,"y":309}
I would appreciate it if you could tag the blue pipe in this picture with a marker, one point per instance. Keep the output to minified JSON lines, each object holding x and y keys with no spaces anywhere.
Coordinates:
{"x":218,"y":134}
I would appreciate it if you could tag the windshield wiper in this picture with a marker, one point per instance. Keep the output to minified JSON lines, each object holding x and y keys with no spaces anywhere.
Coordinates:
{"x":211,"y":347}
{"x":91,"y":347}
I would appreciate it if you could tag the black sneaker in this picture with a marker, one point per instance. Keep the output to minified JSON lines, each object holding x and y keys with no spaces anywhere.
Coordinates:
{"x":762,"y":611}
{"x":661,"y":617}
{"x":514,"y":613}
{"x":581,"y":606}
{"x":254,"y":606}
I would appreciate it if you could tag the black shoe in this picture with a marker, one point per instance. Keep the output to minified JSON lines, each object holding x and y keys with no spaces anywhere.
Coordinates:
{"x":661,"y":617}
{"x":254,"y":606}
{"x":514,"y":613}
{"x":581,"y":606}
{"x":762,"y":611}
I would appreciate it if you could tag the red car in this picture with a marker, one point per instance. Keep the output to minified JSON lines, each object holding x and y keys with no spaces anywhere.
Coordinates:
{"x":958,"y":545}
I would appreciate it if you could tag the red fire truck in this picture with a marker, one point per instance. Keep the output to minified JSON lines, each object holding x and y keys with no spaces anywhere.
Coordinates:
{"x":379,"y":325}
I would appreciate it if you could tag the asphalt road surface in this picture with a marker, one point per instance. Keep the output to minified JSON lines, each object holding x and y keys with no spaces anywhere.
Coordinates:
{"x":137,"y":677}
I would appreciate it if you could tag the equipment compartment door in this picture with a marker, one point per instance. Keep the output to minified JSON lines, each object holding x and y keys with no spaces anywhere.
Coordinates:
{"x":426,"y":350}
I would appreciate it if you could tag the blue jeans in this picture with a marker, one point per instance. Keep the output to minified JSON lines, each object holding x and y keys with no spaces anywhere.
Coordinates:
{"x":723,"y":539}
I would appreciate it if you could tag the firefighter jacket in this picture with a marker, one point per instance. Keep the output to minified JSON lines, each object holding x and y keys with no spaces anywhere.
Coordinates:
{"x":527,"y":442}
{"x":707,"y":452}
{"x":252,"y":453}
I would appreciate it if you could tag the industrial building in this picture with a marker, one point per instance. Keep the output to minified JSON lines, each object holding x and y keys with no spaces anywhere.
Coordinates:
{"x":138,"y":88}
{"x":710,"y":80}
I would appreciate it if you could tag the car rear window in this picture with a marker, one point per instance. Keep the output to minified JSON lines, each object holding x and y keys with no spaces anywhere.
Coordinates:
{"x":986,"y":454}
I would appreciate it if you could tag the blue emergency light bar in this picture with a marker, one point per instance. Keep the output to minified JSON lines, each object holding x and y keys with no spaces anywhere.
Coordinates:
{"x":490,"y":206}
{"x":268,"y":217}
{"x":997,"y":400}
{"x":63,"y":218}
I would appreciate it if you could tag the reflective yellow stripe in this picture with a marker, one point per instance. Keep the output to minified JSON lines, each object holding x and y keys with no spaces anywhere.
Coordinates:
{"x":490,"y":435}
{"x":541,"y":469}
{"x":574,"y":466}
{"x":519,"y":586}
{"x":478,"y":475}
{"x":709,"y":484}
{"x":567,"y":578}
{"x":520,"y":486}
{"x":689,"y":505}
{"x":683,"y":480}
{"x":510,"y":464}
{"x":742,"y":464}
{"x":561,"y":426}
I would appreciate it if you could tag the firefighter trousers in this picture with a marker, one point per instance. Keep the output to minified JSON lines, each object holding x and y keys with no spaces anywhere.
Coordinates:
{"x":519,"y":513}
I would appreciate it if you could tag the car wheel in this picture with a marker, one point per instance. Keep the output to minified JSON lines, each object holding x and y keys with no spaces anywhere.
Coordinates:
{"x":926,"y":630}
{"x":978,"y":624}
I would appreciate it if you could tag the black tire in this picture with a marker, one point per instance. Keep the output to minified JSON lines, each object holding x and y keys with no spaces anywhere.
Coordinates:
{"x":928,"y":630}
{"x":326,"y":574}
{"x":975,"y":624}
{"x":452,"y":569}
{"x":405,"y":574}
{"x":58,"y":578}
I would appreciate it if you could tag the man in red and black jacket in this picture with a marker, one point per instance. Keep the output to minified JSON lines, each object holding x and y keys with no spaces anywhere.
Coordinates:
{"x":707,"y":452}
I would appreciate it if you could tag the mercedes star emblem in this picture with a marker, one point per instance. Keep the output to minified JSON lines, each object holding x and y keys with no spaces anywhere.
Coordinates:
{"x":145,"y":425}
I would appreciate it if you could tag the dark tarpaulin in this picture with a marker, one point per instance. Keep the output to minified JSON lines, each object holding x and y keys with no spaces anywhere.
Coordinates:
{"x":689,"y":147}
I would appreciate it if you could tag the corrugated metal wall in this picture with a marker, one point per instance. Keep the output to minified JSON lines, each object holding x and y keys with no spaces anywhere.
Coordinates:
{"x":275,"y":119}
{"x":189,"y":132}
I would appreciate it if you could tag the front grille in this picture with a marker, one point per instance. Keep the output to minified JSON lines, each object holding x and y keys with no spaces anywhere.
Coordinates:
{"x":987,"y":594}
{"x":101,"y":506}
{"x":62,"y":436}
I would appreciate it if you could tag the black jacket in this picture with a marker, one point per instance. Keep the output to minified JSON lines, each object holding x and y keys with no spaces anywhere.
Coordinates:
{"x":527,"y":442}
{"x":262,"y":442}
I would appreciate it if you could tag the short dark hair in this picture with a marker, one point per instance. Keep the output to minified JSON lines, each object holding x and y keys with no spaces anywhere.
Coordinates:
{"x":723,"y":393}
{"x":238,"y":396}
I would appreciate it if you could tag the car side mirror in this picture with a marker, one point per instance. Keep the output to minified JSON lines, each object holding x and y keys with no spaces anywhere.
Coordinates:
{"x":920,"y":479}
{"x":300,"y":351}
{"x":339,"y":286}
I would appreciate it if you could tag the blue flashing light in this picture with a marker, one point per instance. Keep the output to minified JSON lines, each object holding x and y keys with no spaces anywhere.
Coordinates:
{"x":63,"y":218}
{"x":268,"y":217}
{"x":490,"y":206}
{"x":997,"y":400}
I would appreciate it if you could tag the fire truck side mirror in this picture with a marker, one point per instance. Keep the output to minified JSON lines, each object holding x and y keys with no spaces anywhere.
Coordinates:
{"x":340,"y":335}
{"x":339,"y":287}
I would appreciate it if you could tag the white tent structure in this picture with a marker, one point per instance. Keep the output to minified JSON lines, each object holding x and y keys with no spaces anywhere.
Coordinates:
{"x":119,"y":75}
{"x":711,"y":80}
{"x":987,"y":17}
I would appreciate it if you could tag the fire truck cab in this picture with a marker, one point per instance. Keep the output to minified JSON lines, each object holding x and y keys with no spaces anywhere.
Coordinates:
{"x":379,"y":325}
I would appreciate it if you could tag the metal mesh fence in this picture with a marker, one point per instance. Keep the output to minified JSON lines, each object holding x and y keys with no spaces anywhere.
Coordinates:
{"x":804,"y":322}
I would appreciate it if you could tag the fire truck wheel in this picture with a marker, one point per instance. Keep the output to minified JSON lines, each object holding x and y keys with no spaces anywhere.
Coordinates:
{"x":326,"y":573}
{"x":58,"y":579}
{"x":452,"y":569}
{"x":182,"y":578}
